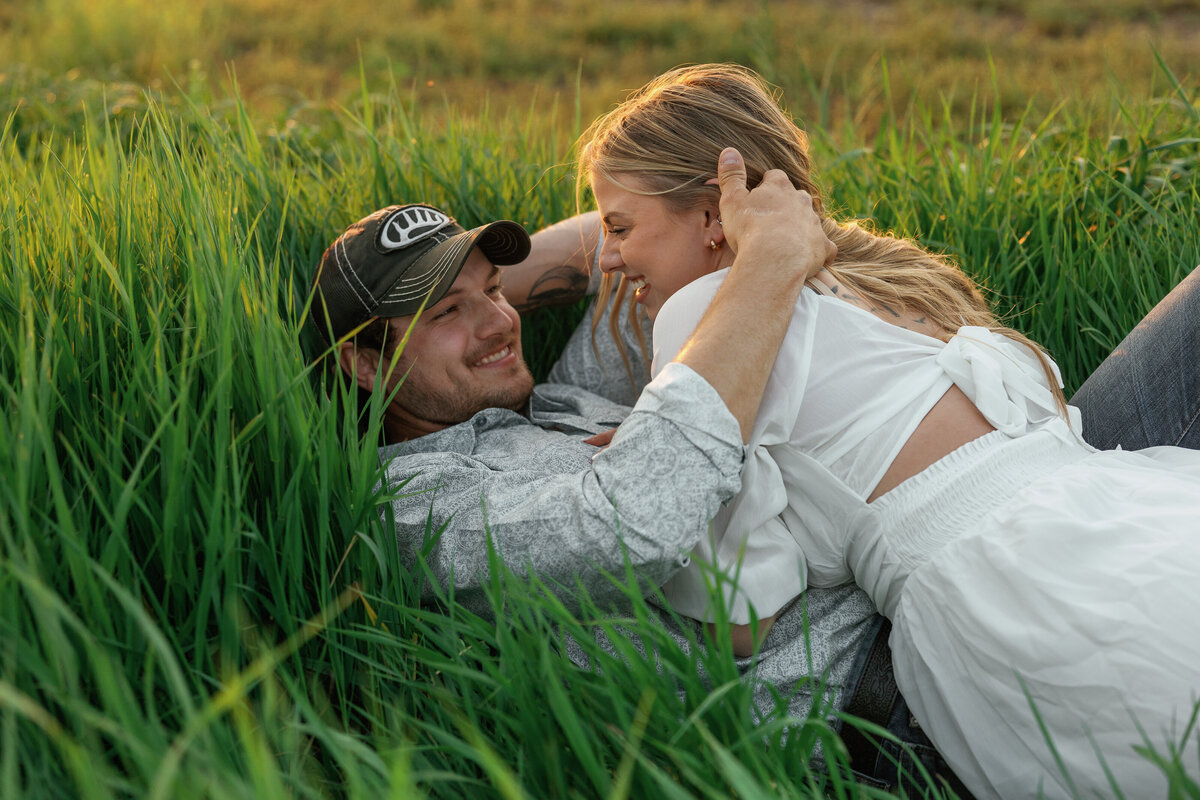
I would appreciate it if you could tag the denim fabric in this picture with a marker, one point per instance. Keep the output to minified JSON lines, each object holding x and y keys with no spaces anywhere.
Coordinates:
{"x":895,"y":768}
{"x":910,"y":760}
{"x":1147,"y":392}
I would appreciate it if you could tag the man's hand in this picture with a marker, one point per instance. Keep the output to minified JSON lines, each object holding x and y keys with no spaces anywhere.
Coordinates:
{"x":773,"y":223}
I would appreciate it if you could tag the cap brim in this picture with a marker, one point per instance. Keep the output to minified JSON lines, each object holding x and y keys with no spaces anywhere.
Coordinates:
{"x":503,"y":242}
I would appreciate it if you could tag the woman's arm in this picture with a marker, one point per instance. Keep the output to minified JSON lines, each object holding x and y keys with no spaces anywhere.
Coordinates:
{"x":558,"y":269}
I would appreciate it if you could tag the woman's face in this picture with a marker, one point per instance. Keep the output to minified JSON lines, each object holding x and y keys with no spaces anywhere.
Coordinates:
{"x":658,"y":249}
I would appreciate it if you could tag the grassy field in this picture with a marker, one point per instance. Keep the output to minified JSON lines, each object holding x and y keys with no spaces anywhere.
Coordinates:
{"x":845,"y":63}
{"x":197,"y":598}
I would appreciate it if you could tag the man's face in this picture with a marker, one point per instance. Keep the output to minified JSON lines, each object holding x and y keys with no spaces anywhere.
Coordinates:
{"x":462,"y":356}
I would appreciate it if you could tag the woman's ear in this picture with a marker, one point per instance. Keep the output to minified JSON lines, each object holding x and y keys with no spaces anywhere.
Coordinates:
{"x":360,"y":363}
{"x":713,"y":231}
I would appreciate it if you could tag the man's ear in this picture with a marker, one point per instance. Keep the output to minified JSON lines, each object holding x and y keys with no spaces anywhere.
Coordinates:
{"x":361,"y":363}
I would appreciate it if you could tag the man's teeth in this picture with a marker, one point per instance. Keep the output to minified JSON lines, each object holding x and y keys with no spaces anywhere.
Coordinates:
{"x":493,"y":357}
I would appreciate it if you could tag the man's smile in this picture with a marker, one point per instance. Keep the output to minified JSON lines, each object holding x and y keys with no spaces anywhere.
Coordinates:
{"x":496,"y":357}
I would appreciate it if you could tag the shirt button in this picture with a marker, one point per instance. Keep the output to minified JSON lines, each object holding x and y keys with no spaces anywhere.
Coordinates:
{"x":481,"y":420}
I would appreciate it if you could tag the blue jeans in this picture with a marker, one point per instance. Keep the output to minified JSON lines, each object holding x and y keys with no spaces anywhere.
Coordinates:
{"x":1146,"y":393}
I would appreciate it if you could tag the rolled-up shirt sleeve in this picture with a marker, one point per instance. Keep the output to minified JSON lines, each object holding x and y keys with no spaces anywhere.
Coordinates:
{"x":647,"y":497}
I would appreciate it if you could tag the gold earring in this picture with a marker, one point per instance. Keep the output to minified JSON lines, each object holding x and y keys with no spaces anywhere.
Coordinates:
{"x":712,"y":243}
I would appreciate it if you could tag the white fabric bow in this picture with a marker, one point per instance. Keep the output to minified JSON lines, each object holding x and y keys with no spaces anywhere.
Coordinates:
{"x":1006,"y":382}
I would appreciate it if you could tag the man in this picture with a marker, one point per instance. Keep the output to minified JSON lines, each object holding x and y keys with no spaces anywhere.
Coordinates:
{"x":487,"y":454}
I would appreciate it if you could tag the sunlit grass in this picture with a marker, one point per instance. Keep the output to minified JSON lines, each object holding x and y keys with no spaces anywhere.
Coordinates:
{"x":197,"y":597}
{"x":292,"y":56}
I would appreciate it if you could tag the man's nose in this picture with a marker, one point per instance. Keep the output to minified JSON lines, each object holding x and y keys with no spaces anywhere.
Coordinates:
{"x":495,"y":320}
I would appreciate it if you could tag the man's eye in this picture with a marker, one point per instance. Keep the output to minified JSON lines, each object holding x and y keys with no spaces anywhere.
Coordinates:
{"x":615,"y":231}
{"x":494,"y":290}
{"x":445,"y":312}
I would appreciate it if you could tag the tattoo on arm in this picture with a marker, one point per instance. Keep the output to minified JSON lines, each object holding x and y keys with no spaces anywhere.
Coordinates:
{"x":555,"y":287}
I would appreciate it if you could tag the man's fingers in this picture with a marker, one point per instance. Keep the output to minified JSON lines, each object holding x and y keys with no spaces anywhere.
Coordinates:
{"x":731,"y":172}
{"x":777,"y":176}
{"x":831,"y":252}
{"x":601,"y":439}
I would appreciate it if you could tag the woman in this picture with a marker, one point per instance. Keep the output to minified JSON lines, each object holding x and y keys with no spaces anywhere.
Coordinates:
{"x":911,"y":443}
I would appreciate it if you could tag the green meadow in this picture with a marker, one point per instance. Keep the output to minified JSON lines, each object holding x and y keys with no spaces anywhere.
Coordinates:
{"x":198,"y":597}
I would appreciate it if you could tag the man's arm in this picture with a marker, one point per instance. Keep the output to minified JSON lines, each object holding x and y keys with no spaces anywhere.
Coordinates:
{"x":558,"y":268}
{"x":779,"y":243}
{"x":547,"y":506}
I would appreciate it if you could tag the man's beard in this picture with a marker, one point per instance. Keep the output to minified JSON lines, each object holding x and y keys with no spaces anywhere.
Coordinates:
{"x":450,"y":407}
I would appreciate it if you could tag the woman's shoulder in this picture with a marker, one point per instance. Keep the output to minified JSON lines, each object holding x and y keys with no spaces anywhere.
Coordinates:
{"x":680,"y":314}
{"x":692,"y":296}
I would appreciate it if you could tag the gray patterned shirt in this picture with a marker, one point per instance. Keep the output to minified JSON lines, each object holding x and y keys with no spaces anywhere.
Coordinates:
{"x":531,"y":483}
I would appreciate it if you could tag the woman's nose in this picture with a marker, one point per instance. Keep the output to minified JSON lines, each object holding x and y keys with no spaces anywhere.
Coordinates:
{"x":610,"y":256}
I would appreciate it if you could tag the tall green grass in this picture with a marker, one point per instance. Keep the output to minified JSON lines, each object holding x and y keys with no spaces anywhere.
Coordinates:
{"x":197,"y":596}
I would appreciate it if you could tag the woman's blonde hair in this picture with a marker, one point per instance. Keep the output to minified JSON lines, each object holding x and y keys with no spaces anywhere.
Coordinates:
{"x":668,"y":135}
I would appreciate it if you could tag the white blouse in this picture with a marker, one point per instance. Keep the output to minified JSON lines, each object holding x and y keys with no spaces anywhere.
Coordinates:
{"x":846,"y":392}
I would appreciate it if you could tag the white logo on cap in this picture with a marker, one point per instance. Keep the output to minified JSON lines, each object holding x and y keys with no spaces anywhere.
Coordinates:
{"x":410,"y":225}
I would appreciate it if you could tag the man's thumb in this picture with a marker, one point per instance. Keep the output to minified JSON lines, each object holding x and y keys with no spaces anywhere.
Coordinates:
{"x":731,"y":171}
